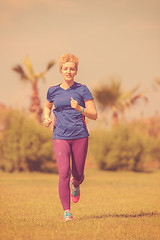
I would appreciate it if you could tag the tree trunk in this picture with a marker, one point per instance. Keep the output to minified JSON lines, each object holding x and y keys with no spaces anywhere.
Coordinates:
{"x":115,"y":118}
{"x":35,"y":106}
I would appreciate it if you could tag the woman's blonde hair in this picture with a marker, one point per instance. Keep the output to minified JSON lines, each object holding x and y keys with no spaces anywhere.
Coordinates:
{"x":68,"y":58}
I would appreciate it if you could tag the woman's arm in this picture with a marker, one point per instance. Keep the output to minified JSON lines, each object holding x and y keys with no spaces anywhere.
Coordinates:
{"x":47,"y":112}
{"x":89,"y":111}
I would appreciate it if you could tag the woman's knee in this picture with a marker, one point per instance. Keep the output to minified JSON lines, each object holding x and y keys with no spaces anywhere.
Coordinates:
{"x":65,"y":175}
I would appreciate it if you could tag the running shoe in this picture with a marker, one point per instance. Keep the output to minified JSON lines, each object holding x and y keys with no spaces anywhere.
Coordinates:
{"x":67,"y":216}
{"x":75,"y":192}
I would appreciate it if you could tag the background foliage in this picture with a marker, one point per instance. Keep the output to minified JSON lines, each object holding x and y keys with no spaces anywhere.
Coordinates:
{"x":25,"y":145}
{"x":125,"y":147}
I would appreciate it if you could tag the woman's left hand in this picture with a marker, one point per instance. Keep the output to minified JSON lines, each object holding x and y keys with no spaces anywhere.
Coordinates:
{"x":74,"y":104}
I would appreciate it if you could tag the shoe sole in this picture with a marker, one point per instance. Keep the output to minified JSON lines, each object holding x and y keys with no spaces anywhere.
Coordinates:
{"x":67,"y":219}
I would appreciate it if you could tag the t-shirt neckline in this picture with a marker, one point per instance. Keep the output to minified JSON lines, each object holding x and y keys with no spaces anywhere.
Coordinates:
{"x":67,"y":88}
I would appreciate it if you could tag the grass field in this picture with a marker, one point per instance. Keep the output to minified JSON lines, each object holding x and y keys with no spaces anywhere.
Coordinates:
{"x":113,"y":206}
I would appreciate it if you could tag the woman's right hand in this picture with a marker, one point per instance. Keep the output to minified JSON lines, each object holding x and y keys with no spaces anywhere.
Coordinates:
{"x":47,"y":121}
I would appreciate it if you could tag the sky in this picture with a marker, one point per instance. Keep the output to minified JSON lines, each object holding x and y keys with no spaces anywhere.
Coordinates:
{"x":112,"y":38}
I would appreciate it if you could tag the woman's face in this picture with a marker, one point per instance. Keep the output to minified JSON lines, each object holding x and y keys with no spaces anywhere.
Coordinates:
{"x":68,"y":71}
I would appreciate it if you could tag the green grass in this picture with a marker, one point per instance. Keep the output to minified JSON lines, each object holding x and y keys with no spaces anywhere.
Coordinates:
{"x":113,"y":206}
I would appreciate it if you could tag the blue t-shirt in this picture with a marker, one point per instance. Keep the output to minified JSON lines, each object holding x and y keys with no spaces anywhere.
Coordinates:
{"x":69,"y":123}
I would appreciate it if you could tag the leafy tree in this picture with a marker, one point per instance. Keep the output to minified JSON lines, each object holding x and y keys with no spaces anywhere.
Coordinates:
{"x":35,"y":106}
{"x":124,"y":148}
{"x":25,"y":145}
{"x":112,"y":96}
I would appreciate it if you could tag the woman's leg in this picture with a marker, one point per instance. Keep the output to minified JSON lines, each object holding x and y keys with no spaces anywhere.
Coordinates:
{"x":79,"y":153}
{"x":62,"y":151}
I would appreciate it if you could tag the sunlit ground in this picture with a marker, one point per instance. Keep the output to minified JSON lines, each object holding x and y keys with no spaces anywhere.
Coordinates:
{"x":113,"y":205}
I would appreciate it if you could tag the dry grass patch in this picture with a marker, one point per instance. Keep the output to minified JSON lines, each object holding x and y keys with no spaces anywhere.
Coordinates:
{"x":113,"y":205}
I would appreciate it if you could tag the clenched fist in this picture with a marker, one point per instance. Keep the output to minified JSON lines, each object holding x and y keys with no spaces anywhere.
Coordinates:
{"x":47,"y":121}
{"x":74,"y":104}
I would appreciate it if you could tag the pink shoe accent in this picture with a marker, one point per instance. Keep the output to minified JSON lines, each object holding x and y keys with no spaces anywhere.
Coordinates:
{"x":75,"y":192}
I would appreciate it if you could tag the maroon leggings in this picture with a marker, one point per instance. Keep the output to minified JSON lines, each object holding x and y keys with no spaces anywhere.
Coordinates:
{"x":77,"y":149}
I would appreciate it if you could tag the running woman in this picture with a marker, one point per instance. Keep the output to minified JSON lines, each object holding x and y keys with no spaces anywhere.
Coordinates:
{"x":71,"y":103}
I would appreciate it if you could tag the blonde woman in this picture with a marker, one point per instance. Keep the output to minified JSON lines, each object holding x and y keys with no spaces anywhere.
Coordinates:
{"x":72,"y":103}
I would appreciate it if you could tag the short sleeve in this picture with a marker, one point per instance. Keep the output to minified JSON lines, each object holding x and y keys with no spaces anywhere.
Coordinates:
{"x":87,"y":95}
{"x":48,"y":96}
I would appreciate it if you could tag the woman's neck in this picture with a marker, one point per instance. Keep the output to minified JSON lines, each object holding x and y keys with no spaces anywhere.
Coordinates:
{"x":66,"y":85}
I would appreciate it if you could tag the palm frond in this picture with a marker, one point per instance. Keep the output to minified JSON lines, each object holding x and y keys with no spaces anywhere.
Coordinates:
{"x":137,"y":97}
{"x":115,"y":87}
{"x":20,"y":71}
{"x":40,"y":75}
{"x":50,"y":64}
{"x":29,"y":68}
{"x":128,"y":94}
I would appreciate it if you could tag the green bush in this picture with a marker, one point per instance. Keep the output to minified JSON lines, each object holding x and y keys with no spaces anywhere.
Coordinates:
{"x":25,"y":144}
{"x":123,"y":148}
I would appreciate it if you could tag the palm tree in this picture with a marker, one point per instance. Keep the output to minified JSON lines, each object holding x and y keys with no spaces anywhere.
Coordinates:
{"x":35,"y":105}
{"x":112,"y":96}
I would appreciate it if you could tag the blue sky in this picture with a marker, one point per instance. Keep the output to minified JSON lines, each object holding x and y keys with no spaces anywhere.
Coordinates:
{"x":112,"y":38}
